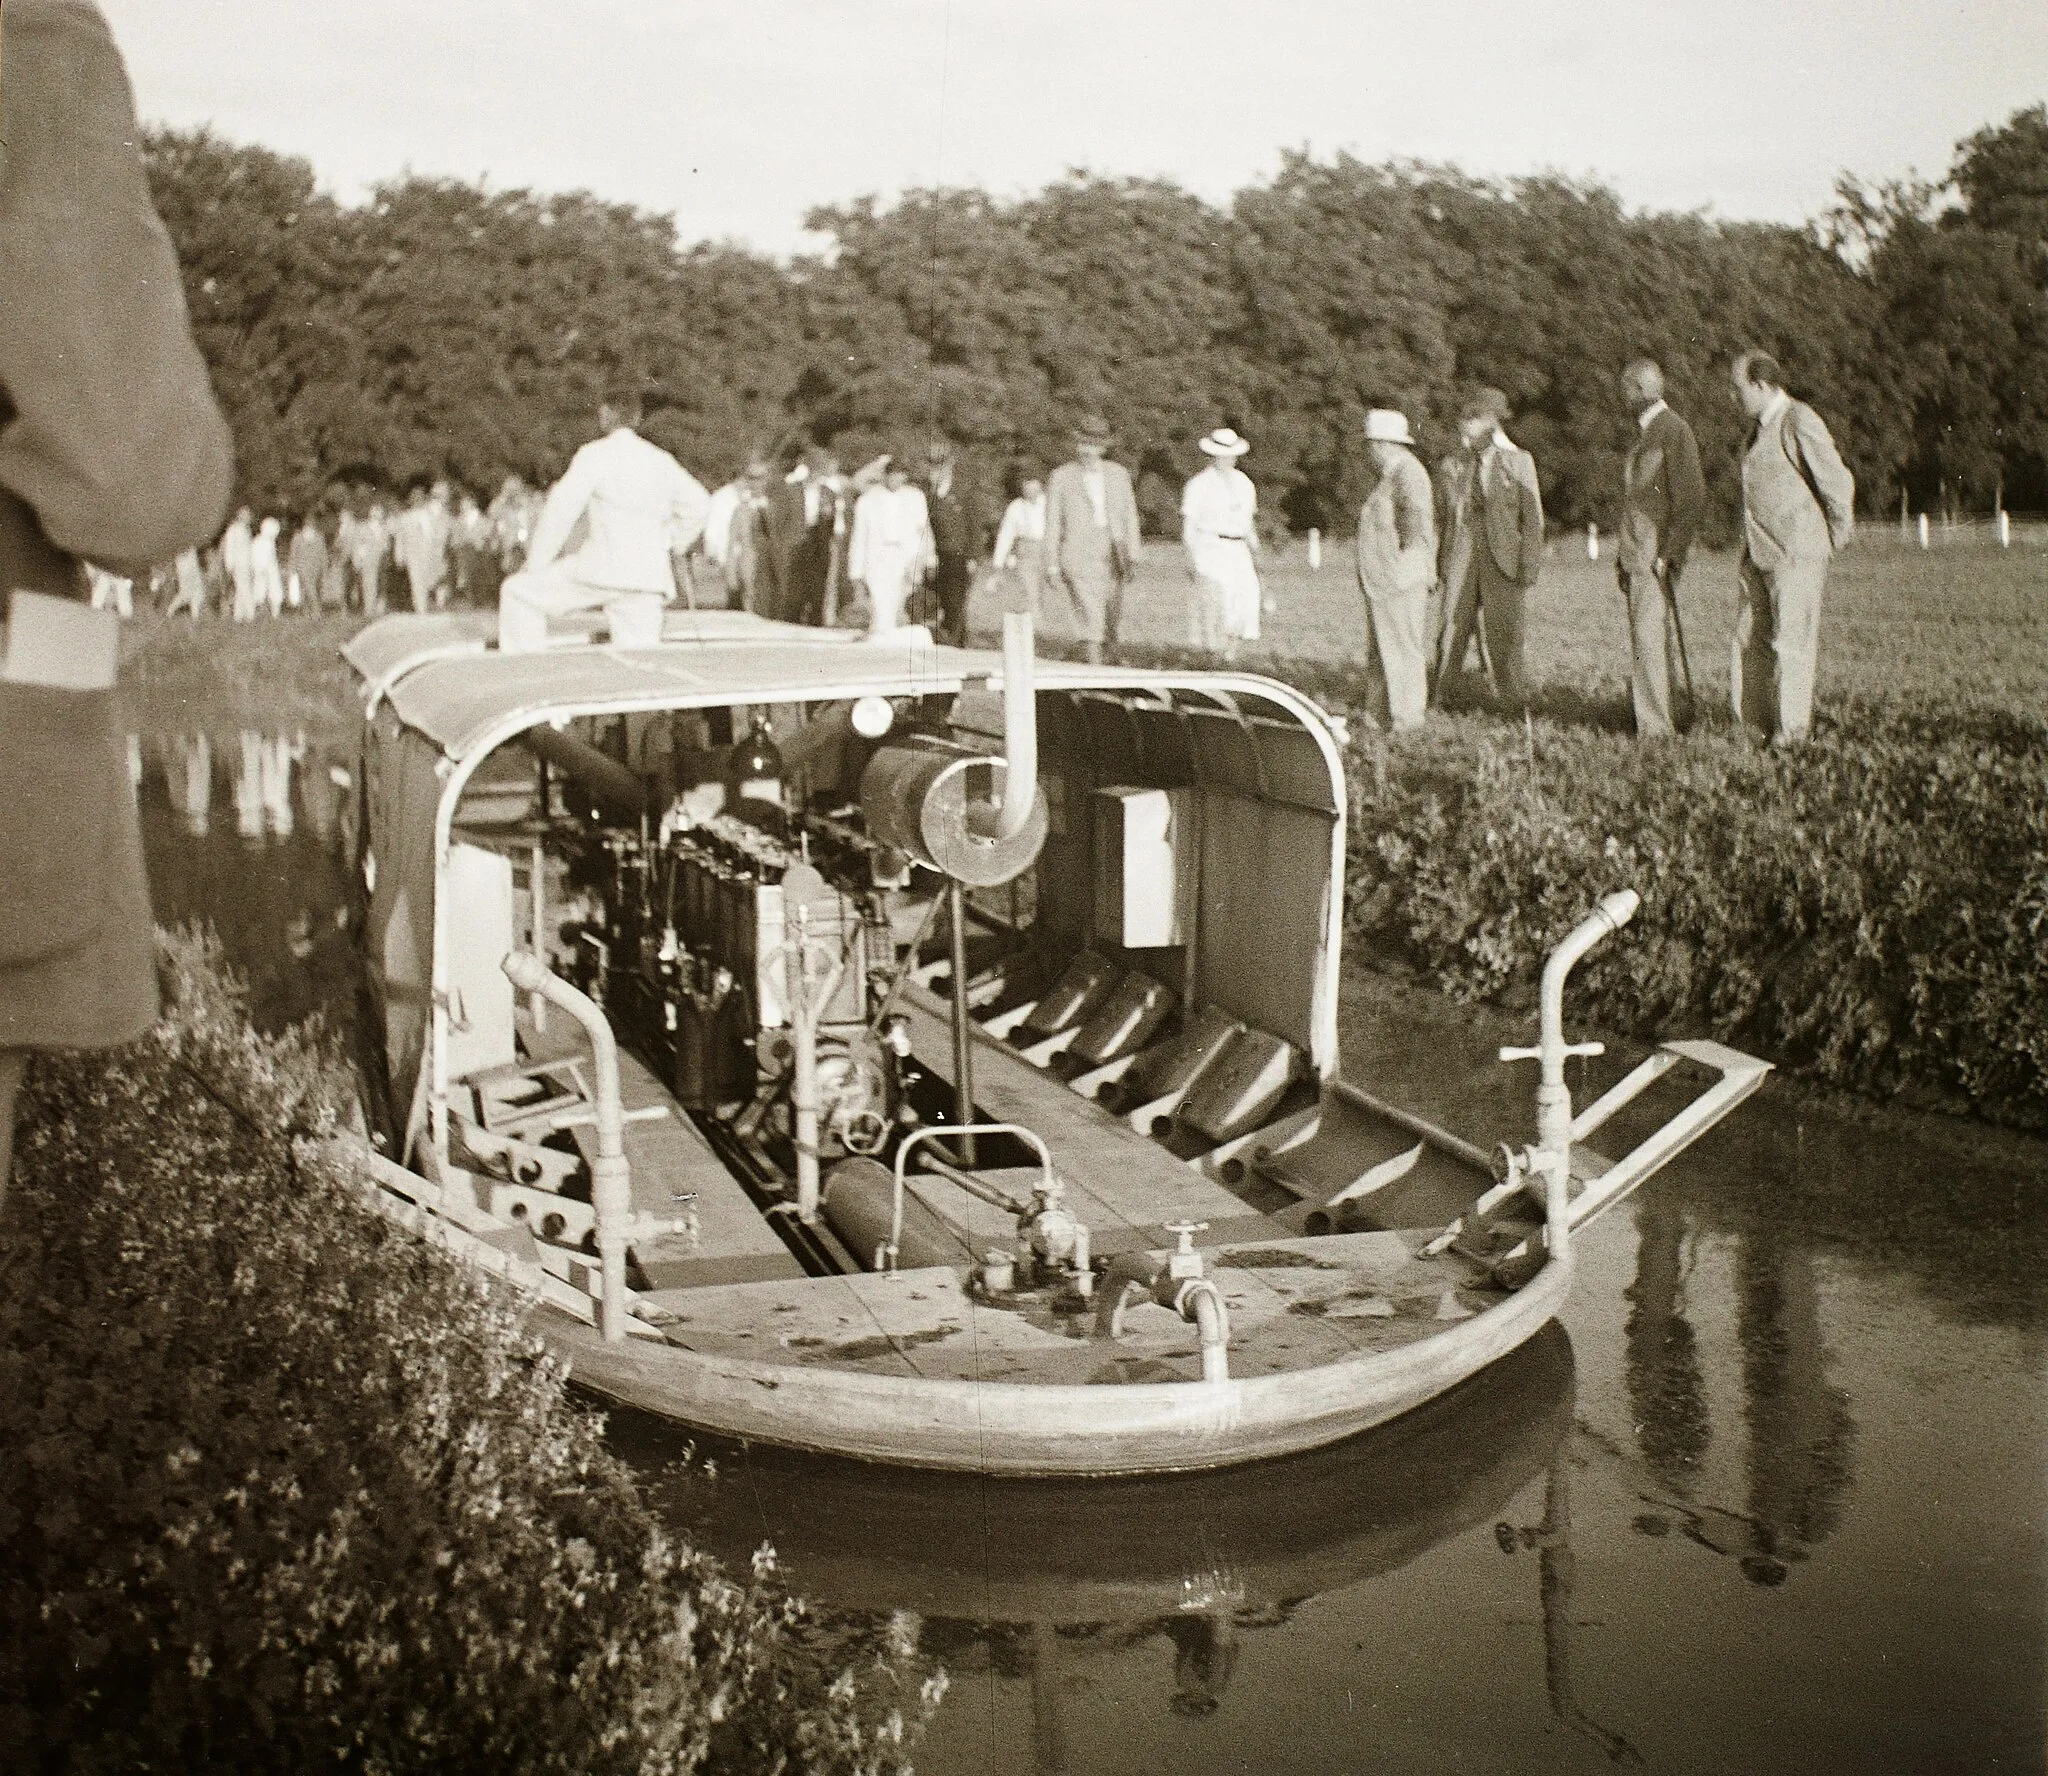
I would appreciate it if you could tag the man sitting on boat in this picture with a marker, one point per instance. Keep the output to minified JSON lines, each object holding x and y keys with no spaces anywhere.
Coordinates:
{"x":641,"y":508}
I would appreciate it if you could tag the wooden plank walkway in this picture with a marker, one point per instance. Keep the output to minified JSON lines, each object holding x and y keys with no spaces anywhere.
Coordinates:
{"x":1118,"y":1177}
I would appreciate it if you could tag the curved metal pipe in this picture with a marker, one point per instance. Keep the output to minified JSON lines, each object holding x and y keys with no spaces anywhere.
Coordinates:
{"x":611,"y":1190}
{"x":1201,"y":1301}
{"x":1613,"y":912}
{"x":1020,"y":726}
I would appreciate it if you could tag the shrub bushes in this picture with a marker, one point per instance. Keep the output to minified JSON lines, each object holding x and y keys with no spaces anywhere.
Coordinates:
{"x":1871,"y":910}
{"x":283,"y":1489}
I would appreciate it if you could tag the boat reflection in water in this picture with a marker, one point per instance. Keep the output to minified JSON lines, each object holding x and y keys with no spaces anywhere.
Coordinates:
{"x":1032,"y":1577}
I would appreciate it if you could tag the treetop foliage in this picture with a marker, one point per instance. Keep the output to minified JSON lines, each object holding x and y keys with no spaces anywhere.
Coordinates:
{"x":447,"y":329}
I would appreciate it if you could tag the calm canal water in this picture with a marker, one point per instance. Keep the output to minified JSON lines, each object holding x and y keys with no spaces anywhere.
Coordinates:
{"x":1770,"y":1498}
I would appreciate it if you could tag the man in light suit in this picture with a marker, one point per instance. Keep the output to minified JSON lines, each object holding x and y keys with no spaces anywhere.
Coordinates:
{"x":1662,"y":498}
{"x":1490,"y":526}
{"x":1798,"y":508}
{"x":1091,"y":537}
{"x":643,"y":509}
{"x":1397,"y":557}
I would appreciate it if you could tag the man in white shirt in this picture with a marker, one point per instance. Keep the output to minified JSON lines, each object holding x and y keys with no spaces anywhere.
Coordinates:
{"x":892,"y":546}
{"x":642,"y":508}
{"x":1217,"y":509}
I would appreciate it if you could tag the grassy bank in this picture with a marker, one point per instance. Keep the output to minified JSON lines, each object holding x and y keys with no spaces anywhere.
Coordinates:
{"x":284,"y":1489}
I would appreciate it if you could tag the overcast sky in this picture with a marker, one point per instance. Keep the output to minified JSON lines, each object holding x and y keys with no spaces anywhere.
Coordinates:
{"x":738,"y":117}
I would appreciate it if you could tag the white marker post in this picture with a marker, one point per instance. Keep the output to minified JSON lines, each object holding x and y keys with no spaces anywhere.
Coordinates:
{"x":1592,"y":542}
{"x":1315,"y":550}
{"x":1923,"y":530}
{"x":2004,"y":528}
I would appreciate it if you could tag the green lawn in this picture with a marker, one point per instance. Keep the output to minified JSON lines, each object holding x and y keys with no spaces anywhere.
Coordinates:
{"x":1965,"y":619}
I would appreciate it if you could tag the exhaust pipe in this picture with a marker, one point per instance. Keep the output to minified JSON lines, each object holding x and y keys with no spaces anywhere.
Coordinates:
{"x":1020,"y":726}
{"x":611,"y":1190}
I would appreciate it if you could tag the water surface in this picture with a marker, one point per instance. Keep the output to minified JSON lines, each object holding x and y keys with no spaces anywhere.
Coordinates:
{"x":1770,"y":1498}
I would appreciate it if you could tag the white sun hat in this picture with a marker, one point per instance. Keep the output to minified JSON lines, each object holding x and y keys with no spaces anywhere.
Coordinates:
{"x":1223,"y":442}
{"x":1387,"y":426}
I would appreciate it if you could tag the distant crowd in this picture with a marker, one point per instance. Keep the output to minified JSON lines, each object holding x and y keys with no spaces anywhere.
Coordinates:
{"x":1444,"y":561}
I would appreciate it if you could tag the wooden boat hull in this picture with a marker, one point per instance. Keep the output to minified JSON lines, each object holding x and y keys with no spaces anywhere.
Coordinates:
{"x":1024,"y":1429}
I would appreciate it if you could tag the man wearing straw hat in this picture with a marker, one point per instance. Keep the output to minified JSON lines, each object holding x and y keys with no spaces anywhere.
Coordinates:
{"x":1396,"y":572}
{"x":642,"y":509}
{"x":1091,"y":537}
{"x":1217,"y":509}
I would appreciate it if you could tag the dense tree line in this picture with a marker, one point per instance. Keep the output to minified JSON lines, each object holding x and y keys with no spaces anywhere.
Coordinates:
{"x":444,"y":328}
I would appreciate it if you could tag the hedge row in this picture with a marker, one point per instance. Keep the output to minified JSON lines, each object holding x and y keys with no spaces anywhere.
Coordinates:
{"x":283,"y":1489}
{"x":1870,"y":910}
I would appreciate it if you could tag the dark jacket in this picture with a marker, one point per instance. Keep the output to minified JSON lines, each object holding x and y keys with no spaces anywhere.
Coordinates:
{"x":960,"y":530}
{"x":1663,"y":494}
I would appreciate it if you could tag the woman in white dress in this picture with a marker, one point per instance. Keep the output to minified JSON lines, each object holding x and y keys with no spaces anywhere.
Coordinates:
{"x":1020,"y":544}
{"x":892,"y":546}
{"x":1218,"y":509}
{"x":266,"y":576}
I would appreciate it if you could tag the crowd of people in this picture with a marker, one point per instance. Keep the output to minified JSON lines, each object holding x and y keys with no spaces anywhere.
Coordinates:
{"x":354,"y":552}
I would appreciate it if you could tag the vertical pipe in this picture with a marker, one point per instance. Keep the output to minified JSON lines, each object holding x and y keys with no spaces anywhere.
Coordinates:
{"x":803,"y":1089}
{"x":537,"y":895}
{"x":1020,"y":726}
{"x":963,"y":1029}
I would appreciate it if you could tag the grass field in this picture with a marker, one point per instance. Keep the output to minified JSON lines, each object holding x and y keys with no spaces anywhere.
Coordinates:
{"x":1965,"y":620}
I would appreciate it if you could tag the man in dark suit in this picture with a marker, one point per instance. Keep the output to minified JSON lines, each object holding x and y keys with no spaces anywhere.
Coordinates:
{"x":1662,"y":497}
{"x":1490,"y":545}
{"x":959,"y":535}
{"x":805,"y":530}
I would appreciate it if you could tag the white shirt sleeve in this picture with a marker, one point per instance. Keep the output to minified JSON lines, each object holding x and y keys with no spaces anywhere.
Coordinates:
{"x":564,"y":505}
{"x":689,"y":506}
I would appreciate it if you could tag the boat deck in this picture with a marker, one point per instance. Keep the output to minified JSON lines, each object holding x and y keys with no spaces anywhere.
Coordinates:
{"x":1294,"y":1304}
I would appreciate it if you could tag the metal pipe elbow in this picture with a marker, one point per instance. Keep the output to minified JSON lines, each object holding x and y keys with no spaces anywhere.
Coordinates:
{"x":1201,"y":1301}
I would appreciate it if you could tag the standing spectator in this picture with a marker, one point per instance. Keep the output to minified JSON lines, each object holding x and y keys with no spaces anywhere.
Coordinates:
{"x":1020,"y":544}
{"x":641,"y":507}
{"x":307,"y":564}
{"x":1491,"y":514}
{"x":892,"y":547}
{"x":1798,"y":508}
{"x":512,"y":514}
{"x":959,"y":534}
{"x":237,"y":557}
{"x":1662,"y":498}
{"x":420,"y":539}
{"x":1396,"y":572}
{"x":736,"y":536}
{"x":1218,"y":509}
{"x":191,"y":580}
{"x":266,"y":573}
{"x":473,"y":555}
{"x":333,"y":588}
{"x":1091,"y":536}
{"x":806,"y":530}
{"x":111,"y":446}
{"x":368,"y":552}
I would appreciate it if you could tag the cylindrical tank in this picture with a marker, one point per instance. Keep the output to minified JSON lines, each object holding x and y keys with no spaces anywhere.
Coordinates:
{"x":915,"y":798}
{"x":856,"y":1198}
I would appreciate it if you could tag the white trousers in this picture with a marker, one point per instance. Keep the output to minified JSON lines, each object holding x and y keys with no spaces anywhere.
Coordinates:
{"x":527,"y":599}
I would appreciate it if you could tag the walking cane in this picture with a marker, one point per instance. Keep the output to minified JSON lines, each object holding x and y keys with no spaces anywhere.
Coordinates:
{"x":1664,"y":585}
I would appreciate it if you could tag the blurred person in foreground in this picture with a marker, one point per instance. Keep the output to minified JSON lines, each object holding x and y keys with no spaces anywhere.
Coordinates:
{"x":1490,"y":521}
{"x":642,"y":507}
{"x":1663,"y":496}
{"x":1396,"y":573}
{"x":1218,"y":512}
{"x":1798,"y":508}
{"x":1091,"y":537}
{"x":112,"y":450}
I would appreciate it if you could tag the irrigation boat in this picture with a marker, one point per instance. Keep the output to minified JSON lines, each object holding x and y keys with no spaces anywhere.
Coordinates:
{"x":929,"y":1055}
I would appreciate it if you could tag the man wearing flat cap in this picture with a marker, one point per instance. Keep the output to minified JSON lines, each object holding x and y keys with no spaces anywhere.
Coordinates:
{"x":1490,"y":517}
{"x":1396,"y":572}
{"x":1091,"y":537}
{"x":1218,"y":509}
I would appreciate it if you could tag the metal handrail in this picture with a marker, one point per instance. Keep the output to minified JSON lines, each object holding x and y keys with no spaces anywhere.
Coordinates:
{"x":944,"y":1131}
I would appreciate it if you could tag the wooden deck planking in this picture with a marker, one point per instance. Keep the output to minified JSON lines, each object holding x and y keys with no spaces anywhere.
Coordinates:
{"x":1132,"y":1179}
